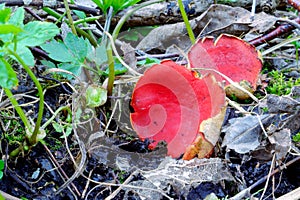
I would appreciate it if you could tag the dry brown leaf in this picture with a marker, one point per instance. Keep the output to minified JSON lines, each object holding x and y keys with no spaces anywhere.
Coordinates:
{"x":215,"y":20}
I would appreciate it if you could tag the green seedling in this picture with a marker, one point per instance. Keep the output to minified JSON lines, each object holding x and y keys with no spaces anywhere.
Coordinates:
{"x":296,"y":138}
{"x":95,"y":96}
{"x":16,"y":38}
{"x":279,"y":84}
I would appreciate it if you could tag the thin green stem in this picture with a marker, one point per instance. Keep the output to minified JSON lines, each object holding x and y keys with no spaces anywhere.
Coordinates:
{"x":17,"y":107}
{"x":55,"y":114}
{"x":186,"y":22}
{"x":111,"y":67}
{"x":53,"y":13}
{"x":128,"y":13}
{"x":70,"y":17}
{"x":88,"y":36}
{"x":87,"y":19}
{"x":33,"y":138}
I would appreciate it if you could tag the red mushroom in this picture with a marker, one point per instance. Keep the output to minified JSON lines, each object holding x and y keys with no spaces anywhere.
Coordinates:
{"x":170,"y":103}
{"x":230,"y":56}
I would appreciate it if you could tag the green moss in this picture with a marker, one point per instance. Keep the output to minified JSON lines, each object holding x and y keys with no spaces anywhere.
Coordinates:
{"x":280,"y":84}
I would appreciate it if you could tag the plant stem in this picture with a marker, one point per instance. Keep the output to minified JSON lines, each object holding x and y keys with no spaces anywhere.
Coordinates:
{"x":19,"y":110}
{"x":186,"y":22}
{"x":32,"y":139}
{"x":87,"y":19}
{"x":128,"y":13}
{"x":111,"y":67}
{"x":55,"y":114}
{"x":70,"y":17}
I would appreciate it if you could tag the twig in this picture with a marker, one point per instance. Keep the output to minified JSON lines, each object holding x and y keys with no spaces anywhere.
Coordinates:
{"x":57,"y":5}
{"x":284,"y":28}
{"x":287,"y":41}
{"x":112,"y":195}
{"x":269,"y":175}
{"x":87,"y":185}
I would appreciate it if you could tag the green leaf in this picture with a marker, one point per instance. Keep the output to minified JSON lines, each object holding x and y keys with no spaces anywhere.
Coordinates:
{"x":58,"y":51}
{"x":68,"y":131}
{"x":149,"y":61}
{"x":98,"y":55}
{"x":103,"y":4}
{"x":36,"y":33}
{"x":4,"y":15}
{"x":74,"y":49}
{"x":119,"y":69}
{"x":75,"y":68}
{"x":9,"y":28}
{"x":58,"y":128}
{"x":95,"y":96}
{"x":24,"y":53}
{"x":72,"y":53}
{"x":8,"y":77}
{"x":124,"y":4}
{"x":80,"y":14}
{"x":18,"y":17}
{"x":77,"y":45}
{"x":48,"y":64}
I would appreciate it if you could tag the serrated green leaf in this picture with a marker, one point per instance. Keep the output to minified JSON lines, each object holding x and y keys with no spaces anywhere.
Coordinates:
{"x":8,"y":77}
{"x":98,"y":55}
{"x":76,"y":45}
{"x":25,"y":54}
{"x":18,"y":17}
{"x":36,"y":33}
{"x":58,"y":51}
{"x":48,"y":64}
{"x":4,"y":15}
{"x":75,"y":68}
{"x":9,"y":28}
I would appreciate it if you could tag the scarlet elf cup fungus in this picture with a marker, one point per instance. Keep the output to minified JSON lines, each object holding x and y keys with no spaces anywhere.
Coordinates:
{"x":230,"y":56}
{"x":169,"y":105}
